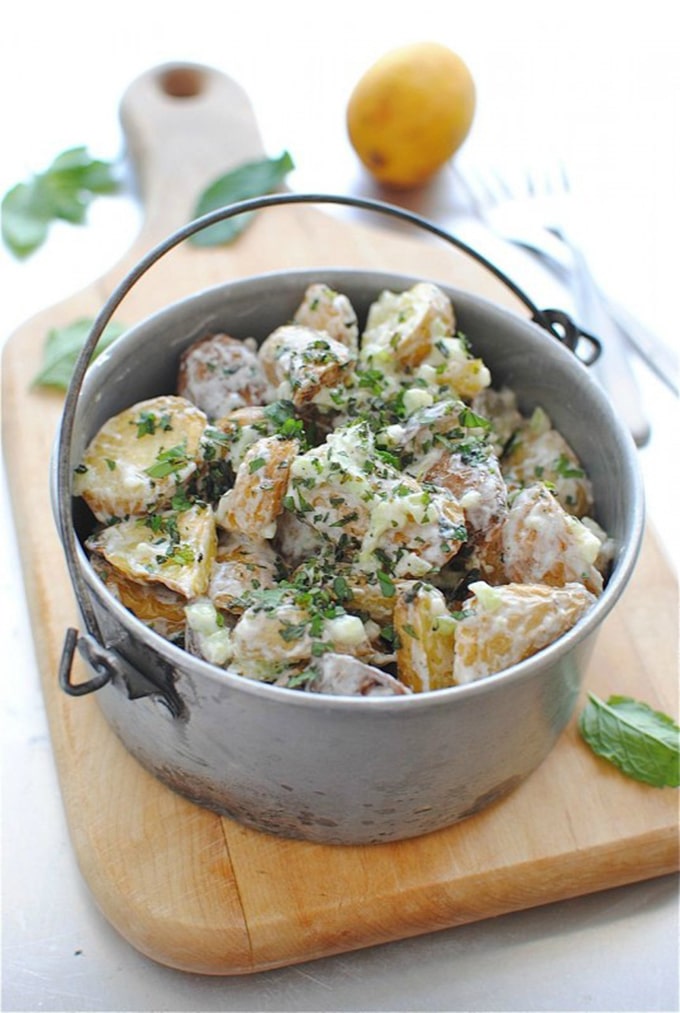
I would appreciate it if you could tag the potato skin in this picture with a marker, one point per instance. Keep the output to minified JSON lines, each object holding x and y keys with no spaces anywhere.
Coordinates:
{"x":219,"y":373}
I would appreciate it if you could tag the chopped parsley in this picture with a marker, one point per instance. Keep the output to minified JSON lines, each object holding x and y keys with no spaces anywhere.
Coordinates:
{"x":168,"y":462}
{"x":148,"y":423}
{"x":567,"y":469}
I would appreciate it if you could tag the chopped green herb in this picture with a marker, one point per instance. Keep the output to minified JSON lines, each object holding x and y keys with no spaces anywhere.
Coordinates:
{"x":180,"y":501}
{"x":168,"y":461}
{"x":148,"y":423}
{"x":471,"y":420}
{"x":567,"y":468}
{"x":341,"y":589}
{"x":181,"y":555}
{"x":386,"y":584}
{"x":292,"y":631}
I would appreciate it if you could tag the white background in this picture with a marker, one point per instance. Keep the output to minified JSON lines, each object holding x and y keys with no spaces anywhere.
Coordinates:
{"x":594,"y":82}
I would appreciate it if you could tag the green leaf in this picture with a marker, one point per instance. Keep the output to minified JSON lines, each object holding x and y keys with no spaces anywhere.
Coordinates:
{"x":471,"y":420}
{"x":24,"y":219}
{"x":643,"y":743}
{"x":62,"y":348}
{"x":254,"y":179}
{"x":64,"y":191}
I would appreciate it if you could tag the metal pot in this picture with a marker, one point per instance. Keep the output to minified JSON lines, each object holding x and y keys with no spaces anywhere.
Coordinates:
{"x":333,"y":769}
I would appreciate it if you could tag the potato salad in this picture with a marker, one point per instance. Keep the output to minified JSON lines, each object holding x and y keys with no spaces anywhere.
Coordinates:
{"x":345,"y":508}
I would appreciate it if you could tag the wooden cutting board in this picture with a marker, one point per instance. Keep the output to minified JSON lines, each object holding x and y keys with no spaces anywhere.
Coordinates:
{"x":199,"y":892}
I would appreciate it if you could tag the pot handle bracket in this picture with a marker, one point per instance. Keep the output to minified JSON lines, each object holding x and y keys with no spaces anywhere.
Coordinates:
{"x":108,"y":665}
{"x":100,"y":659}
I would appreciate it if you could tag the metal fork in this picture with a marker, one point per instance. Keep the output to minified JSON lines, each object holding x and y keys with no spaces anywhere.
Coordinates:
{"x":532,"y":212}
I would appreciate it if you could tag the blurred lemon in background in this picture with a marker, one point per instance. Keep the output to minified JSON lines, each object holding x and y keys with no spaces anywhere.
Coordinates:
{"x":410,"y":112}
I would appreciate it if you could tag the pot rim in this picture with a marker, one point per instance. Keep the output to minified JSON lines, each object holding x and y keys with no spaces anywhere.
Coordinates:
{"x":552,"y":654}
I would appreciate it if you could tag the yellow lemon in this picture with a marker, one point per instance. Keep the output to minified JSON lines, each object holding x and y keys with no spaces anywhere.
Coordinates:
{"x":410,"y":112}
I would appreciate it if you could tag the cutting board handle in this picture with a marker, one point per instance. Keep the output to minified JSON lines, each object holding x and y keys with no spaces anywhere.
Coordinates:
{"x":184,"y":124}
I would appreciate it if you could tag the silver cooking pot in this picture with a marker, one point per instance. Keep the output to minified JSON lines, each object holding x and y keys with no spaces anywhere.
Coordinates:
{"x":337,"y":770}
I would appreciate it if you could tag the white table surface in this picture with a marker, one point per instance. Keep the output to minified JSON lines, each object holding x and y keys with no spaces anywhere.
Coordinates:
{"x":595,"y":82}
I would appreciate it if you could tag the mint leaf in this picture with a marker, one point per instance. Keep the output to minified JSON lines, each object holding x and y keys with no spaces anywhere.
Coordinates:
{"x":63,"y":191}
{"x":643,"y":743}
{"x":62,"y":348}
{"x":253,"y":179}
{"x":25,"y":218}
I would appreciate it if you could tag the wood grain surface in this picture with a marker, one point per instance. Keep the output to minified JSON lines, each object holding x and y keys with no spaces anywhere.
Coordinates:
{"x":199,"y":892}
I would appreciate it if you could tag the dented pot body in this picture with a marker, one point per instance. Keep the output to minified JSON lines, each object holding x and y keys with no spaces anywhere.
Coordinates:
{"x":343,"y":770}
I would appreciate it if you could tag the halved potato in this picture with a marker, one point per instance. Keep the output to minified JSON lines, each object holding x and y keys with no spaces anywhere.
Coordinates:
{"x":539,"y":453}
{"x":503,"y":625}
{"x":474,"y":477}
{"x":542,"y":543}
{"x":323,"y":309}
{"x":300,"y":362}
{"x":341,"y":675}
{"x":255,"y":502}
{"x":404,"y":326}
{"x":425,"y":636}
{"x":153,"y":603}
{"x":241,"y":565}
{"x":171,"y":548}
{"x":219,"y":373}
{"x":141,"y":457}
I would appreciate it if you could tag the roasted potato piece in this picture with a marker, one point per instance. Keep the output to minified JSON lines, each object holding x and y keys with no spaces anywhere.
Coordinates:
{"x":413,"y":531}
{"x":271,"y":640}
{"x":172,"y":548}
{"x":539,"y":453}
{"x":499,"y":407}
{"x":329,"y":488}
{"x":341,"y":675}
{"x":323,"y":309}
{"x":241,"y":565}
{"x":300,"y":362}
{"x":239,"y":429}
{"x":141,"y":457}
{"x":451,"y":369}
{"x":425,"y":632}
{"x":253,"y":505}
{"x":219,"y":373}
{"x":372,"y":595}
{"x":404,"y":326}
{"x":503,"y":625}
{"x":154,"y":604}
{"x":473,"y":476}
{"x":542,"y":543}
{"x":413,"y":332}
{"x":431,"y":425}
